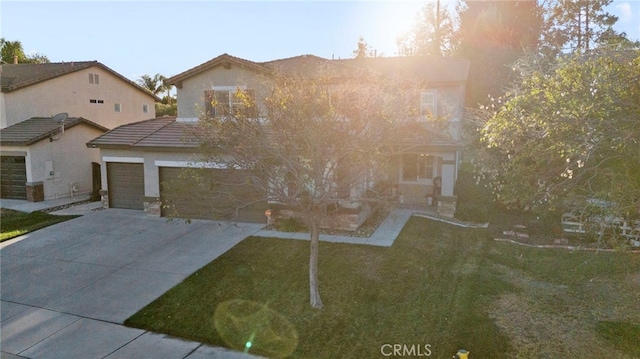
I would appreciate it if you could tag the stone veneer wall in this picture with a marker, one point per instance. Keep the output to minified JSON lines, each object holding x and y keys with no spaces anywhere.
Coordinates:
{"x":152,"y":206}
{"x":104,"y":198}
{"x":447,"y":206}
{"x":35,"y":191}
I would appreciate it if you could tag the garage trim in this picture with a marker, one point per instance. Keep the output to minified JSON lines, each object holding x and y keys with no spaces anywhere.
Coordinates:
{"x":123,"y":159}
{"x":190,"y":164}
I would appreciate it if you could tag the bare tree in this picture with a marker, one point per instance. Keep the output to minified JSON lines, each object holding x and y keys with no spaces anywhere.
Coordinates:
{"x":310,"y":144}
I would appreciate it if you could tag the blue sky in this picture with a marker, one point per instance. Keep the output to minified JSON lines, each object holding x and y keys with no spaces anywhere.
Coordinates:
{"x":168,"y":37}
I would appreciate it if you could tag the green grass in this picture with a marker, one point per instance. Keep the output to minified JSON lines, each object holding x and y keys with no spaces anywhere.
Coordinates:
{"x":15,"y":223}
{"x":625,"y":336}
{"x":440,"y":285}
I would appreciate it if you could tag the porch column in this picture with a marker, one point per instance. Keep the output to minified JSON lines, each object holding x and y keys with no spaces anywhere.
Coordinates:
{"x":448,"y":177}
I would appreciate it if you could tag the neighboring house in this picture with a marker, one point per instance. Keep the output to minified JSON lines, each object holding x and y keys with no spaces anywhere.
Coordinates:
{"x":31,"y":95}
{"x":153,"y":152}
{"x":43,"y":159}
{"x":85,"y":89}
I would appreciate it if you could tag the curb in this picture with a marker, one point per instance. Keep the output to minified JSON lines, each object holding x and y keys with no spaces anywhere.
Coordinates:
{"x":573,"y":248}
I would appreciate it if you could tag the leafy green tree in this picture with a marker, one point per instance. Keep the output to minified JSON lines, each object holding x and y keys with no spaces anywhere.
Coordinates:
{"x":308,"y":142}
{"x":570,"y":132}
{"x":9,"y":50}
{"x":166,"y":109}
{"x":431,"y":34}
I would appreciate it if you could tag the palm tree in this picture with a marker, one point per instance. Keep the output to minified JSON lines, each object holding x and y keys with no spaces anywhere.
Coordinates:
{"x":154,"y":84}
{"x":10,"y":49}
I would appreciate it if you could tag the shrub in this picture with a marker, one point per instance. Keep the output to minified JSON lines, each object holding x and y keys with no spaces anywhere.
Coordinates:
{"x":475,"y":201}
{"x":290,"y":224}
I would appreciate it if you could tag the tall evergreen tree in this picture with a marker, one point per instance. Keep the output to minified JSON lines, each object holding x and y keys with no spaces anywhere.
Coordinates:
{"x":431,"y":34}
{"x":493,"y":35}
{"x":577,"y":25}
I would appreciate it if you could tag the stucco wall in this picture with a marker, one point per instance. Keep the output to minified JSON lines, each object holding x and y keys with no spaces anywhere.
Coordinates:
{"x":450,"y":105}
{"x":151,"y":171}
{"x":3,"y":111}
{"x":71,"y":94}
{"x":191,"y":96}
{"x":70,"y":158}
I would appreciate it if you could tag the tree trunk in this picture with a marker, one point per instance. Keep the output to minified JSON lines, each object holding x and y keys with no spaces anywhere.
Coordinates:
{"x":315,"y":300}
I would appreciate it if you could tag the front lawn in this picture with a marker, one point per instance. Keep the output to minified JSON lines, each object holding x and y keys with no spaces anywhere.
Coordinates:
{"x":438,"y":289}
{"x":16,"y":223}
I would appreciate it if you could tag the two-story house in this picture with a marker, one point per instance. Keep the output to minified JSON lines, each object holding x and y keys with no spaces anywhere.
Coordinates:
{"x":43,"y":157}
{"x":153,"y":152}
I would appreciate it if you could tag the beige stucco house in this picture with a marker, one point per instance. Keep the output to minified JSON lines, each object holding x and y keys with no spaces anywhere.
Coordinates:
{"x":86,"y":89}
{"x":38,"y":160}
{"x":154,"y":151}
{"x":44,"y":159}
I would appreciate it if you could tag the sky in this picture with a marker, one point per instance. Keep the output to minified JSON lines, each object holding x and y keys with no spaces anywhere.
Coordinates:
{"x":169,"y":37}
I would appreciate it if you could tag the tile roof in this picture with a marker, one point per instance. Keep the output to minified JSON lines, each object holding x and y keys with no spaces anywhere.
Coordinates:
{"x":422,"y":68}
{"x":36,"y":129}
{"x":416,"y":135}
{"x":163,"y":132}
{"x":416,"y":68}
{"x":17,"y":76}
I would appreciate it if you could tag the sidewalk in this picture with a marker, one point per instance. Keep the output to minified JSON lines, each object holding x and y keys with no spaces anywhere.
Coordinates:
{"x":26,"y":206}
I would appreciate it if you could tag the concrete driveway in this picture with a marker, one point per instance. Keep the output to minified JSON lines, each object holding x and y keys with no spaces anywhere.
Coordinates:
{"x":66,"y":289}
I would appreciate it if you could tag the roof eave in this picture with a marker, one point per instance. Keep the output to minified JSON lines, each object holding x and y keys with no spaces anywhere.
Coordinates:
{"x":224,"y":60}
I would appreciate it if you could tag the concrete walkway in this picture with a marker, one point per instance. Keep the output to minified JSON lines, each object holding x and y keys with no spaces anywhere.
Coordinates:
{"x":384,"y":235}
{"x":67,"y":289}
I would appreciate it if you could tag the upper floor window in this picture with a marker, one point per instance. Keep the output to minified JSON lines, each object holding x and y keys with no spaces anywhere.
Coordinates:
{"x":145,"y":108}
{"x":94,"y":79}
{"x":428,"y":104}
{"x":417,"y":167}
{"x":228,"y":101}
{"x":118,"y":107}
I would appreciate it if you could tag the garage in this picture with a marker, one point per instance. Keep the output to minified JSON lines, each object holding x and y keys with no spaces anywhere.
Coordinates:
{"x":14,"y":177}
{"x":126,"y":185}
{"x":213,"y":194}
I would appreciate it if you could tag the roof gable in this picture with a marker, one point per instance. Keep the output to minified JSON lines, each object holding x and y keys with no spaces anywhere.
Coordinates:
{"x":36,"y":129}
{"x":430,"y":69}
{"x":224,"y":60}
{"x":17,"y":76}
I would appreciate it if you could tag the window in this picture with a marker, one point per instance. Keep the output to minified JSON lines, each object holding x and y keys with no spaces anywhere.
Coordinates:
{"x":118,"y":108}
{"x":416,"y":168}
{"x":218,"y":103}
{"x":145,"y":108}
{"x":428,"y":104}
{"x":94,"y":79}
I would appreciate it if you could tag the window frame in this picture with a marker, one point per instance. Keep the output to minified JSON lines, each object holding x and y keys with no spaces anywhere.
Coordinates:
{"x":428,"y":108}
{"x":421,"y":169}
{"x":231,"y":102}
{"x":145,"y":108}
{"x":94,"y":79}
